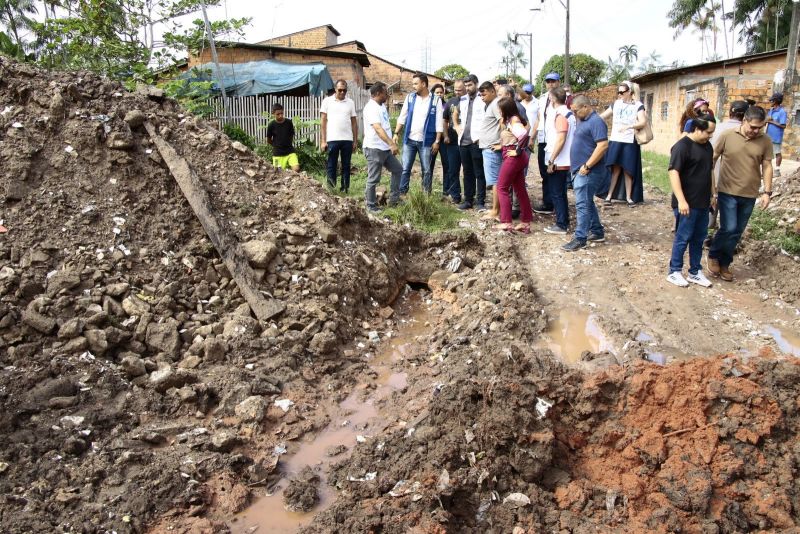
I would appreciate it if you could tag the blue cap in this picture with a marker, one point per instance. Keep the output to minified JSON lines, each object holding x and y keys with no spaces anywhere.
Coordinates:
{"x":552,"y":76}
{"x":528,"y":88}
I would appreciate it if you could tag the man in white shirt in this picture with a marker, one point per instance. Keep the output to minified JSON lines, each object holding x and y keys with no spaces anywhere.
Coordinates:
{"x":467,"y":118}
{"x":339,"y":133}
{"x":422,"y":116}
{"x":380,"y":149}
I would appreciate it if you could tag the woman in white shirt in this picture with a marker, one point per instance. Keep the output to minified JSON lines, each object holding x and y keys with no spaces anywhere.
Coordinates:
{"x":624,"y":154}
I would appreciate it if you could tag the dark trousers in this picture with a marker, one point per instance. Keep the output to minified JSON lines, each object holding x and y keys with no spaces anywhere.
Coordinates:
{"x":474,"y":179}
{"x":335,"y":149}
{"x":691,"y":230}
{"x":557,"y":182}
{"x":547,"y":200}
{"x":451,"y":185}
{"x":734,"y":213}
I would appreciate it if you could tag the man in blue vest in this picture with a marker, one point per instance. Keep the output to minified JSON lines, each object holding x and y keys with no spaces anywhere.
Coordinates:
{"x":423,"y":112}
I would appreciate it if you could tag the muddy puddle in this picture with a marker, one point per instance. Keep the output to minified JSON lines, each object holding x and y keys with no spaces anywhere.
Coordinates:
{"x":573,"y":332}
{"x":355,"y":419}
{"x":788,"y":342}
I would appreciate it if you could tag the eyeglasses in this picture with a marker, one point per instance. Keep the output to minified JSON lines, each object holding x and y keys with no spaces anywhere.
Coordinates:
{"x":622,"y":92}
{"x":341,"y":90}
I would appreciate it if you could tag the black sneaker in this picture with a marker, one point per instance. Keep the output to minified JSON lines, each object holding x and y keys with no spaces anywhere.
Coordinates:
{"x":574,"y":245}
{"x":555,"y":229}
{"x":595,"y":238}
{"x":515,"y":214}
{"x":481,"y":207}
{"x":542,"y":209}
{"x":373,"y":210}
{"x":466,"y":205}
{"x":395,"y":203}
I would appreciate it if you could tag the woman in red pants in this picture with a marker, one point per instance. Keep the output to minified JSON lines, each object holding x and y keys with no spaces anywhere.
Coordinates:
{"x":514,"y":141}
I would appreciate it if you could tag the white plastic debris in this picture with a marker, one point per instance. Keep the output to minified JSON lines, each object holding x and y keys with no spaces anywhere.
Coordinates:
{"x":517,"y":500}
{"x":17,"y":125}
{"x":284,"y":404}
{"x":6,"y":110}
{"x":374,"y":337}
{"x":542,"y":407}
{"x":119,"y":221}
{"x":279,"y":449}
{"x":366,"y":478}
{"x":68,"y":149}
{"x":404,"y":487}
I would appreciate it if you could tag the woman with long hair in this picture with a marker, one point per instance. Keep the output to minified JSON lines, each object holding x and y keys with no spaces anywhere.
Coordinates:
{"x":514,"y":138}
{"x":624,"y":154}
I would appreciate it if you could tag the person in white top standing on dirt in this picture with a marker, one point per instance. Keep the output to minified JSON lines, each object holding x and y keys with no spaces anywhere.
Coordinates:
{"x":552,"y":80}
{"x":339,"y":133}
{"x":380,"y":149}
{"x":560,"y":131}
{"x":624,"y":154}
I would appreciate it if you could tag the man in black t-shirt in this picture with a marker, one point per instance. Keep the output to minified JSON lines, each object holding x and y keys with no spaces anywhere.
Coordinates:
{"x":690,"y":164}
{"x":280,"y":134}
{"x":451,"y":183}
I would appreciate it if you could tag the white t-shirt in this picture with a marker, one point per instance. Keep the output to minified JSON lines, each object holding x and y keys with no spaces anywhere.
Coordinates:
{"x":531,"y":110}
{"x":421,"y":105}
{"x":339,"y":113}
{"x":375,"y":113}
{"x":624,"y":117}
{"x":544,"y":100}
{"x":490,"y":125}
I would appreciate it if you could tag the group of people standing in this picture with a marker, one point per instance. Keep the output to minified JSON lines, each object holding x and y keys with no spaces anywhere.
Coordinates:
{"x":490,"y":133}
{"x":742,"y":153}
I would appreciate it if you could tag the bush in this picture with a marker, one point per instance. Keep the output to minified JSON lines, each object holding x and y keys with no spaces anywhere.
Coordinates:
{"x":424,"y":211}
{"x":764,"y":226}
{"x":236,"y":133}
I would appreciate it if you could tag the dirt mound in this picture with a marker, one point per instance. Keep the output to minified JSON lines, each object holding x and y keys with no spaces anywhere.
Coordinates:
{"x":704,"y":446}
{"x":135,"y":377}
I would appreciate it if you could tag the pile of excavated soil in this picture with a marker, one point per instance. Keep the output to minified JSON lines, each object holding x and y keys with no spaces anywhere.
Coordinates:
{"x":135,"y":380}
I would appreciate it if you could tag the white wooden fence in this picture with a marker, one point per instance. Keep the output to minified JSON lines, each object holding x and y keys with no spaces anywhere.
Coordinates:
{"x":252,"y":113}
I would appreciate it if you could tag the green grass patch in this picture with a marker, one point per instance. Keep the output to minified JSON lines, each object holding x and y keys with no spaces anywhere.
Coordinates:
{"x":420,"y":210}
{"x":764,"y":226}
{"x":655,"y":170}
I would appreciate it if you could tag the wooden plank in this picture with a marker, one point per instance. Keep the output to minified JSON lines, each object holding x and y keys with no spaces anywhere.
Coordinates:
{"x":226,"y":244}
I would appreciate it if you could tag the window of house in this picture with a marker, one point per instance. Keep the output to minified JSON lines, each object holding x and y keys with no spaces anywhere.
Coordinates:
{"x":648,"y":106}
{"x":664,"y":110}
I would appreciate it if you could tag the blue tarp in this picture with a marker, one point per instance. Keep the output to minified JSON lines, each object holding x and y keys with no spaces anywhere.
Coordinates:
{"x":266,"y":77}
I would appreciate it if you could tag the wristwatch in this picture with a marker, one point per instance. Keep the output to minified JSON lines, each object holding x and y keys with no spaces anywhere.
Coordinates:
{"x":768,"y":193}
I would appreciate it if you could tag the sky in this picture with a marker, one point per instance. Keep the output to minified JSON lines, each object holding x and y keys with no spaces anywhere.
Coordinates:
{"x":471,"y":36}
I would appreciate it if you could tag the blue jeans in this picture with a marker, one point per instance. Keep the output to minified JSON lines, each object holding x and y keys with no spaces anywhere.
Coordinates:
{"x":690,"y":231}
{"x":335,"y":148}
{"x":547,"y":201}
{"x":451,"y":185}
{"x":588,"y":219}
{"x":492,"y":160}
{"x":474,"y":180}
{"x":734,"y":212}
{"x":410,"y":151}
{"x":557,"y":182}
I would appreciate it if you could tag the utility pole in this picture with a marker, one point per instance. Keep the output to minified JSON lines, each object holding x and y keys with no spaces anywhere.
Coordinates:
{"x":530,"y":52}
{"x":215,"y":58}
{"x":791,"y":53}
{"x":566,"y":42}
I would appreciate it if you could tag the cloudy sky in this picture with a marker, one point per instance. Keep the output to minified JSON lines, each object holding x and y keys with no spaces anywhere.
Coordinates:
{"x":471,"y":36}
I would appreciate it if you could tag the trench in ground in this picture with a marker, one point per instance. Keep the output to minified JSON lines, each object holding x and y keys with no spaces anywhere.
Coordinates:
{"x":356,"y":418}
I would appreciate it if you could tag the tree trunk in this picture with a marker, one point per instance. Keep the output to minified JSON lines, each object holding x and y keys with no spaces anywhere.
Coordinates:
{"x":725,"y":29}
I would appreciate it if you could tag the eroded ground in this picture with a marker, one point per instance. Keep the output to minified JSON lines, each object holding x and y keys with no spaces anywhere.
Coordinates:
{"x":139,"y":394}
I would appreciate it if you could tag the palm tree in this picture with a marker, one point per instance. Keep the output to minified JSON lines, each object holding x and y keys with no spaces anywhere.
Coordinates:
{"x":14,"y":15}
{"x":628,"y":54}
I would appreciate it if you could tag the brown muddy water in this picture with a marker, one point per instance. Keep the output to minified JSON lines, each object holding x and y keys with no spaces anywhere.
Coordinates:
{"x":354,"y":419}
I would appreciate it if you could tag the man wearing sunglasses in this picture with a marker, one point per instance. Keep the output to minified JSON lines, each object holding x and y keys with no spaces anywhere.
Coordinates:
{"x":746,"y":160}
{"x":339,"y":133}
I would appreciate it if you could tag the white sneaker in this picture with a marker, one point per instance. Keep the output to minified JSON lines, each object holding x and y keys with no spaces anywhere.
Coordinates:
{"x":677,"y":279}
{"x":699,"y":279}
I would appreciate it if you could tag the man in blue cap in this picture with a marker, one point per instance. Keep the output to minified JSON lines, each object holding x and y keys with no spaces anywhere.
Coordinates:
{"x":776,"y":124}
{"x":546,"y":114}
{"x":531,"y":104}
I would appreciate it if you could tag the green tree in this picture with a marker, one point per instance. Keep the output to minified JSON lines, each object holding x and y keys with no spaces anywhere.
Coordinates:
{"x":116,"y":37}
{"x":763,"y":24}
{"x":615,"y":72}
{"x":585,"y":71}
{"x":14,"y":15}
{"x":454,"y":71}
{"x":628,"y":54}
{"x":651,"y":63}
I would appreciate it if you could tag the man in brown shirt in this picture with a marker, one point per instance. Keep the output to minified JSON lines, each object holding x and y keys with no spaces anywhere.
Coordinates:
{"x":746,"y":159}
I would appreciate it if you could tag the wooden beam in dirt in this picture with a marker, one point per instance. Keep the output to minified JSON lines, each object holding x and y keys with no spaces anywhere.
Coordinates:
{"x":226,"y":244}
